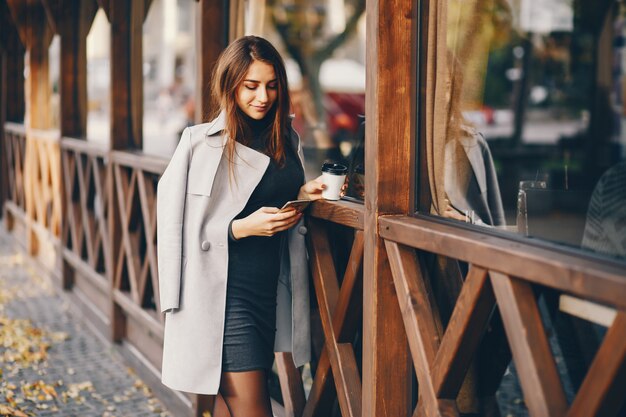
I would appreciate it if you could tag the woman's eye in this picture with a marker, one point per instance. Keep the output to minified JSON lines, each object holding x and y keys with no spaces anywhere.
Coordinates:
{"x":272,"y":86}
{"x":250,"y":87}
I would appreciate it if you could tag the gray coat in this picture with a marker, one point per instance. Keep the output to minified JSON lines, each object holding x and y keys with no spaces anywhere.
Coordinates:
{"x":477,"y":190}
{"x":196,"y":200}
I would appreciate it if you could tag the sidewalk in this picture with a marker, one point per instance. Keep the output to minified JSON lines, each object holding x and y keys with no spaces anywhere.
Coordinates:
{"x":51,"y":364}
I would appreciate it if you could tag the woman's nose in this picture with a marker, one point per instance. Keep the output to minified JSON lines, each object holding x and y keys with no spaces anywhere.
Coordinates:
{"x":262,"y":95}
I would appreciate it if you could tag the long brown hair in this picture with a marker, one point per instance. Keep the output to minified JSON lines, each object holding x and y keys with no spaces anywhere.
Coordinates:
{"x":229,"y":73}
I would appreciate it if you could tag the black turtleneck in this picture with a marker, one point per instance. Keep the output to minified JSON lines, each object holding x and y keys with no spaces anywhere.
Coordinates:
{"x":257,"y":131}
{"x":254,"y":264}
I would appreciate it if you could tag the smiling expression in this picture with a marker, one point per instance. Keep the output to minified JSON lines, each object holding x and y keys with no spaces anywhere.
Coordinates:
{"x":258,"y":92}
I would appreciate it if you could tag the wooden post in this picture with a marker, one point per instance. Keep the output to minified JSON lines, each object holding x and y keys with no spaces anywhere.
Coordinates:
{"x":15,"y":83}
{"x":35,"y":32}
{"x":74,"y":22}
{"x":389,"y":158}
{"x":126,"y":121}
{"x":211,"y":39}
{"x":11,"y":90}
{"x":4,"y":177}
{"x":126,"y":19}
{"x":14,"y":65}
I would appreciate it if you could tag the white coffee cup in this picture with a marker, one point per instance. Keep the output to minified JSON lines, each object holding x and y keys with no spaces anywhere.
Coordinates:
{"x":333,"y":176}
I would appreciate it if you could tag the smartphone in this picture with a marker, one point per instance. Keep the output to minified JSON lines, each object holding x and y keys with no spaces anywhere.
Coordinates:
{"x":298,"y":205}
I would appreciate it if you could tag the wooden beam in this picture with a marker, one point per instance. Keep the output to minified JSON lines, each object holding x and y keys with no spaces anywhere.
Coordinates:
{"x":211,"y":39}
{"x":126,"y":73}
{"x":290,"y":384}
{"x":420,"y":325}
{"x":600,"y":281}
{"x":53,"y":10}
{"x":340,"y":355}
{"x":74,"y":27}
{"x":14,"y":66}
{"x":36,"y":34}
{"x":543,"y":391}
{"x":389,"y":138}
{"x":31,"y":22}
{"x":602,"y":391}
{"x":464,"y":332}
{"x":14,"y":87}
{"x":4,"y":168}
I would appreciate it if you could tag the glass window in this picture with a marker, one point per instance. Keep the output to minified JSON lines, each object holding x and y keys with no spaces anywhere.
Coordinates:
{"x":323,"y":44}
{"x":533,"y":137}
{"x":169,"y":74}
{"x":99,"y":80}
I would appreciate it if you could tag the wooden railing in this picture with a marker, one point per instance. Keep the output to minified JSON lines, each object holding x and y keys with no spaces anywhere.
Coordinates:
{"x":15,"y":153}
{"x":499,"y":290}
{"x":109,"y":238}
{"x":85,"y":236}
{"x":340,"y":303}
{"x":34,"y":183}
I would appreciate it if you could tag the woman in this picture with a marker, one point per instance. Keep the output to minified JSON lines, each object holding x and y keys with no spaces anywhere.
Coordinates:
{"x":232,"y":268}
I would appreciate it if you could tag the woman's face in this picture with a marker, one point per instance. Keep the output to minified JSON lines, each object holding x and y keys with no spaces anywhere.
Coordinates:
{"x":258,"y":91}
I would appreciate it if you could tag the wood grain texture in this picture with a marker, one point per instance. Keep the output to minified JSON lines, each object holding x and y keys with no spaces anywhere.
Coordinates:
{"x":543,"y":391}
{"x":602,"y":390}
{"x":389,"y":142}
{"x":13,"y":62}
{"x":4,"y":150}
{"x":345,"y":318}
{"x":74,"y":21}
{"x":342,"y":212}
{"x":211,"y":39}
{"x":341,"y":355}
{"x":595,"y":280}
{"x":419,"y":323}
{"x":126,"y":73}
{"x":290,"y":384}
{"x":463,"y":334}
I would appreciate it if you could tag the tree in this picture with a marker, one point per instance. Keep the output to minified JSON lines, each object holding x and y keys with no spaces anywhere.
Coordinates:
{"x":301,"y":27}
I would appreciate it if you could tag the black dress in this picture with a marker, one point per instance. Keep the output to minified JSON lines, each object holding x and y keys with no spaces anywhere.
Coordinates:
{"x":254,"y":266}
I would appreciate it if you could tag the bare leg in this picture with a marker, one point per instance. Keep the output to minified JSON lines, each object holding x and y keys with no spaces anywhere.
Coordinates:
{"x":220,"y":409}
{"x":246,"y":394}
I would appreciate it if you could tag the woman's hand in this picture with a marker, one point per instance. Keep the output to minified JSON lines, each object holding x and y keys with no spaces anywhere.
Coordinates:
{"x":266,"y":221}
{"x":312,"y":190}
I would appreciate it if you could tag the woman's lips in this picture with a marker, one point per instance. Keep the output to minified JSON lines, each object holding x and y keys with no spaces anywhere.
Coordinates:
{"x":260,"y":108}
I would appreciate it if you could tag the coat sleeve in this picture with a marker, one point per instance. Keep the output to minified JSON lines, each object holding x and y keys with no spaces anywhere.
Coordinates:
{"x":171,"y":194}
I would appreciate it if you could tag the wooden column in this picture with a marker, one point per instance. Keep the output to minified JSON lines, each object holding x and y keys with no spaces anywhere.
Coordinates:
{"x":126,"y":19}
{"x":389,"y":157}
{"x":71,"y":19}
{"x":15,"y":84}
{"x":211,"y":39}
{"x":73,"y":23}
{"x":4,"y":186}
{"x":36,"y":34}
{"x":14,"y":65}
{"x":11,"y":90}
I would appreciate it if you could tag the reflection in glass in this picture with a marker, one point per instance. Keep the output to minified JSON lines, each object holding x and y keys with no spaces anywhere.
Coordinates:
{"x":536,"y":88}
{"x":323,"y":43}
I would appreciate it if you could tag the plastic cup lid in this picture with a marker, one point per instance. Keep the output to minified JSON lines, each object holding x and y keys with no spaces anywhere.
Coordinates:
{"x":335,"y":169}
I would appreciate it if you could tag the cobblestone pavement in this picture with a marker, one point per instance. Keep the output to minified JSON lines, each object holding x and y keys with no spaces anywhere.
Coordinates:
{"x":51,"y":364}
